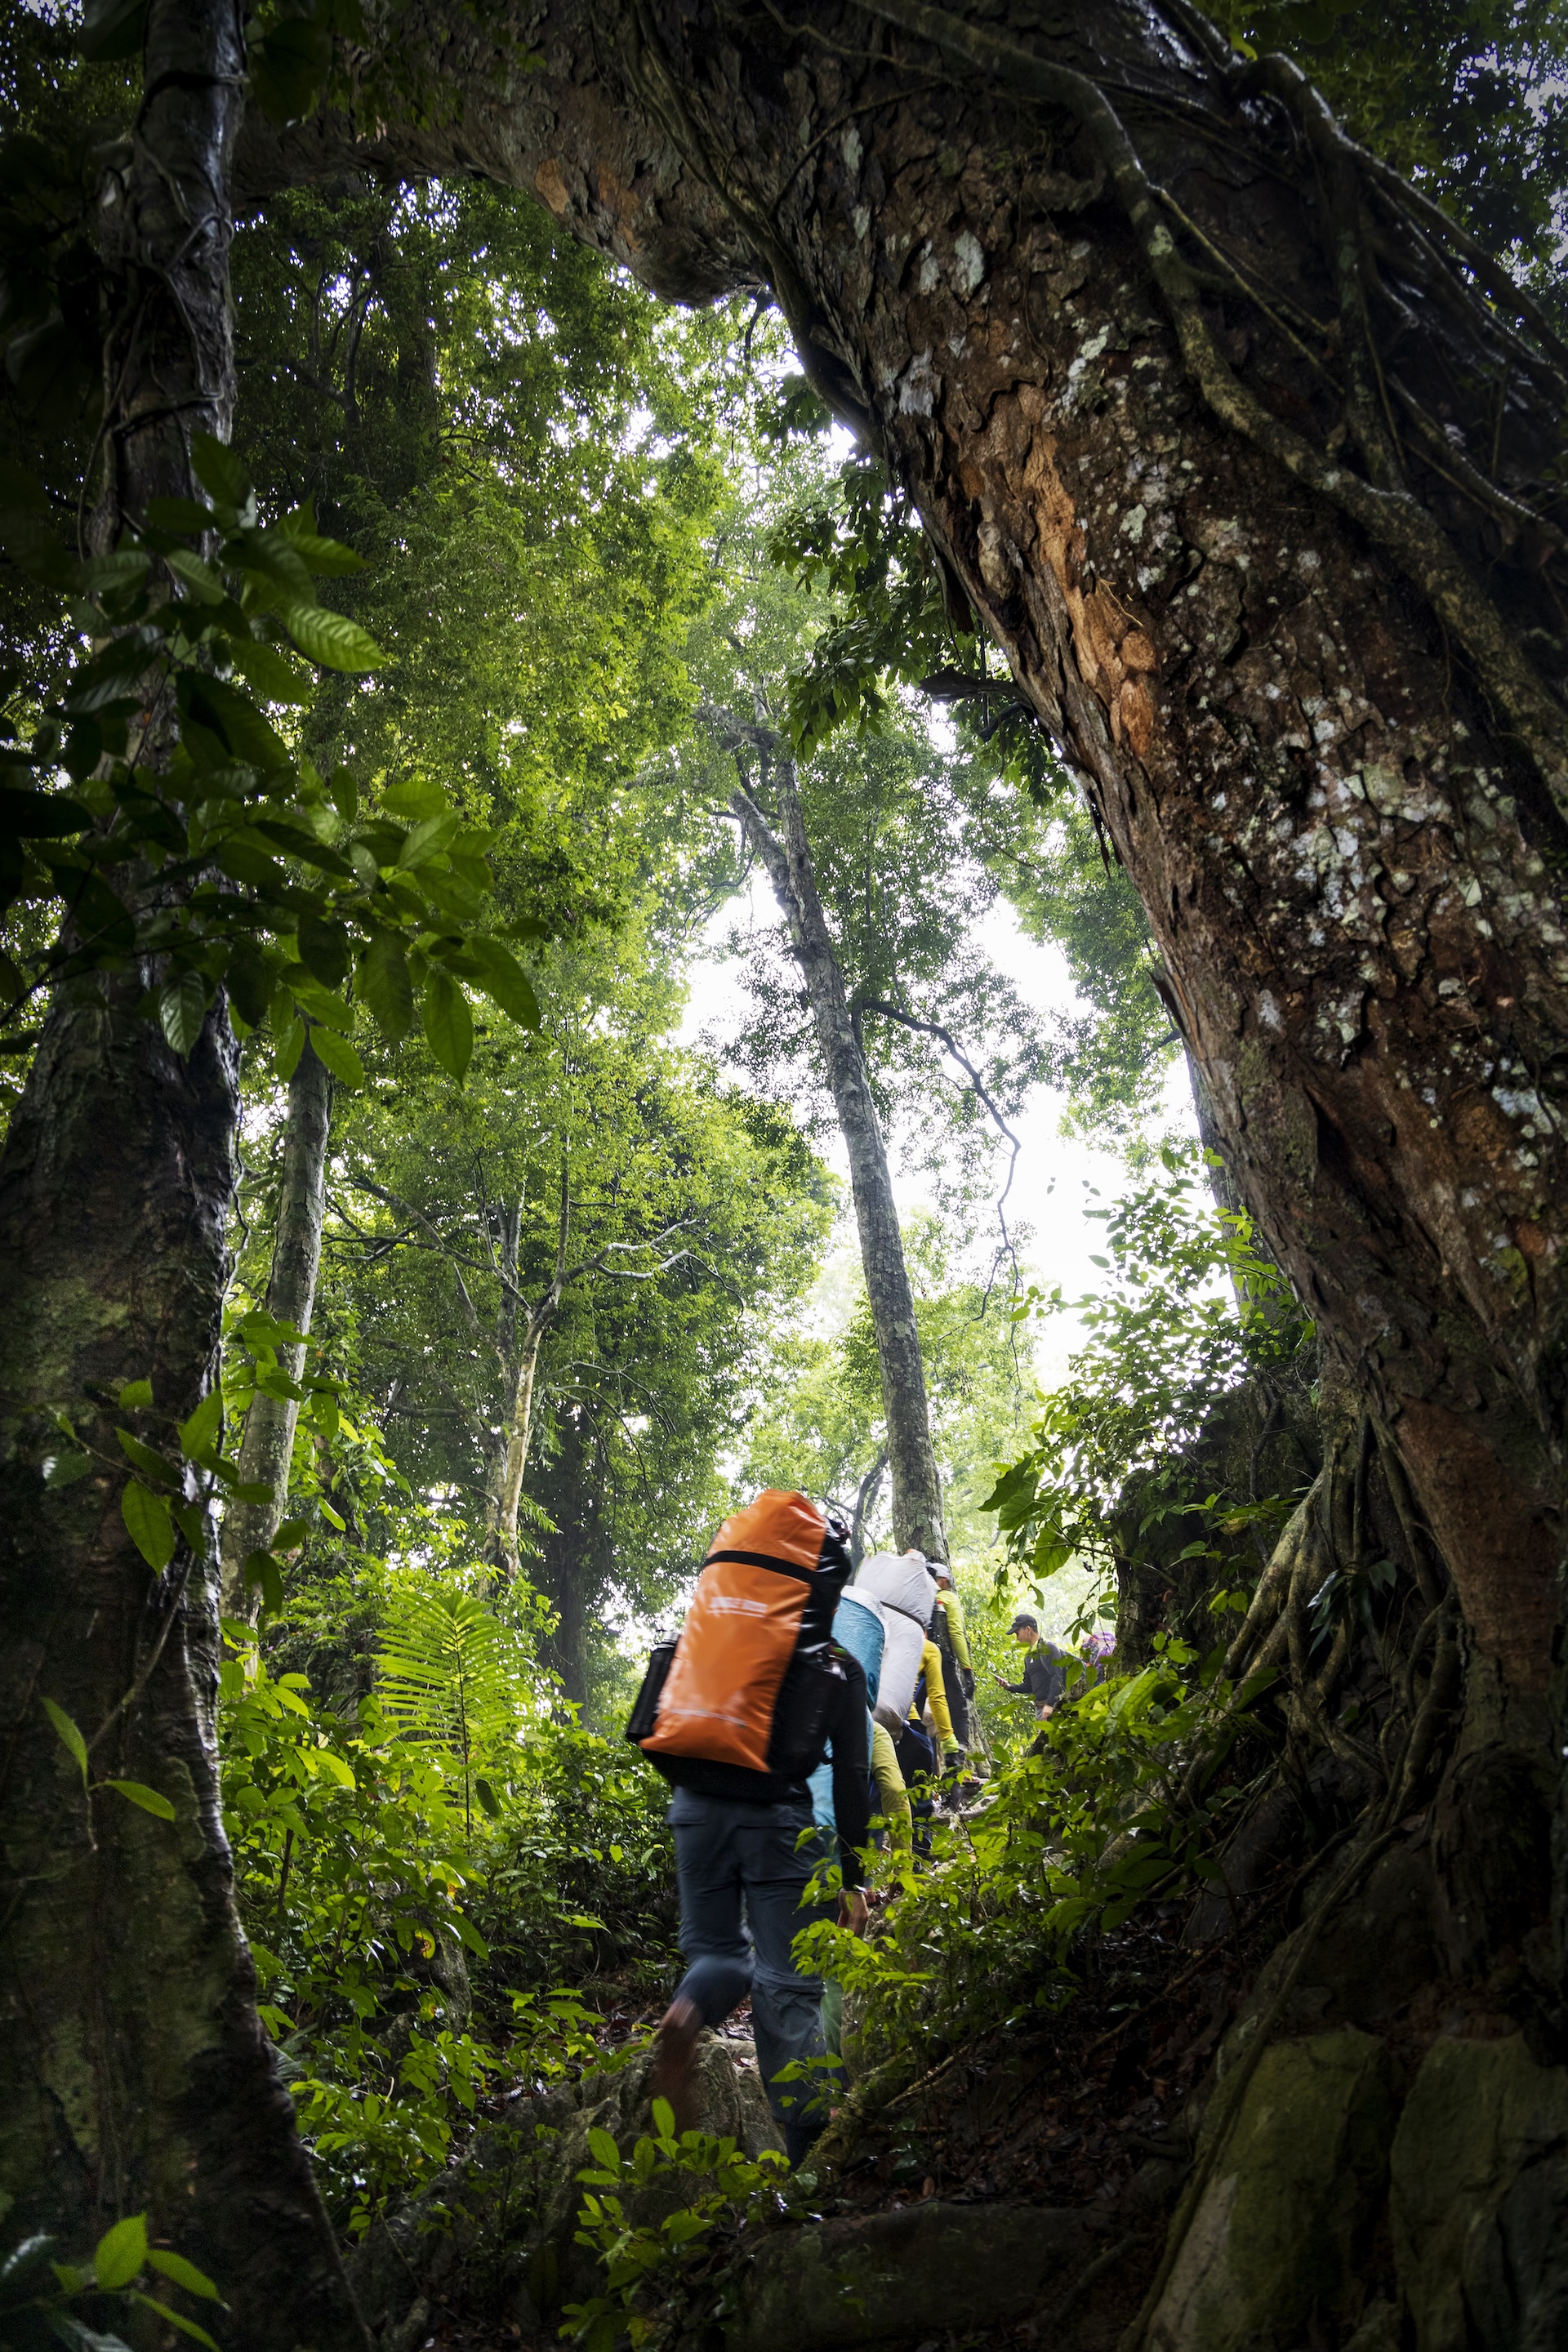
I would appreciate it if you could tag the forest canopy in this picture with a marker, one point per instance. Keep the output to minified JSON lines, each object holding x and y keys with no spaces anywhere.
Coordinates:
{"x":655,"y":663}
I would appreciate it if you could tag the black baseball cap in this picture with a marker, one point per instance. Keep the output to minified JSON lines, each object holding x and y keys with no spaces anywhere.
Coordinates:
{"x":1021,"y":1621}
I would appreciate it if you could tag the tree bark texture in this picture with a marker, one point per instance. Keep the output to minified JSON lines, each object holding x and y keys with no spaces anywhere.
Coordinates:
{"x":134,"y":2072}
{"x":267,"y":1448}
{"x":911,"y":1458}
{"x":1098,"y":291}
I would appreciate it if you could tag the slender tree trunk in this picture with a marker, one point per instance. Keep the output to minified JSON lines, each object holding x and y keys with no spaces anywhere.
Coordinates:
{"x":134,"y":2072}
{"x":566,"y":1570}
{"x":912,"y":1459}
{"x":267,"y":1448}
{"x":518,"y":1423}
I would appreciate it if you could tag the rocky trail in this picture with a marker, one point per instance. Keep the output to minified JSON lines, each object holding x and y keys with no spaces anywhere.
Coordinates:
{"x":1394,"y":2179}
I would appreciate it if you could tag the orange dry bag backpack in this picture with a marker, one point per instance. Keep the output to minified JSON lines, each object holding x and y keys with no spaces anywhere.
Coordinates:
{"x":752,"y":1678}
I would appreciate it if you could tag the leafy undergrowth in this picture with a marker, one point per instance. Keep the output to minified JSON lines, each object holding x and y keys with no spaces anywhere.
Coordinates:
{"x":1065,"y":2109}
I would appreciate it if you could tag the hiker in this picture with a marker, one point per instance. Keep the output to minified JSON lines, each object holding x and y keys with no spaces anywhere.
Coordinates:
{"x":1044,"y":1668}
{"x":736,"y":1715}
{"x":945,"y":1633}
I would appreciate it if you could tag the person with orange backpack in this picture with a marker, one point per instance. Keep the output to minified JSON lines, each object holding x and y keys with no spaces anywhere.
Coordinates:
{"x":736,"y":1714}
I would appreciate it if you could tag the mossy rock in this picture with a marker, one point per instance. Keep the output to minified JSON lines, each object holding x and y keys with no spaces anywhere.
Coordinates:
{"x":1274,"y":2248}
{"x":1479,"y":2199}
{"x":904,"y":2277}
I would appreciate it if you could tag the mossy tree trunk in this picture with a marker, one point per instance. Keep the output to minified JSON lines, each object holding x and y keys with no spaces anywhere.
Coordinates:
{"x":134,"y":2072}
{"x":267,"y":1449}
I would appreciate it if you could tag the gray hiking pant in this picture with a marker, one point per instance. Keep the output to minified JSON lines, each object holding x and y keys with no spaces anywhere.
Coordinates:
{"x":741,"y":1878}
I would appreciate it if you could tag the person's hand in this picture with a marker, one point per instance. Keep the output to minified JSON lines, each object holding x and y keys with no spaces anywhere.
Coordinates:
{"x":1001,"y":1681}
{"x":1046,"y":1713}
{"x":853,"y":1910}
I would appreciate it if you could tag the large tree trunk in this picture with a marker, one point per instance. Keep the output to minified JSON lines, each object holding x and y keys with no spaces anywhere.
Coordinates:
{"x":1247,"y":607}
{"x":267,"y":1449}
{"x":912,"y":1459}
{"x":134,"y":2074}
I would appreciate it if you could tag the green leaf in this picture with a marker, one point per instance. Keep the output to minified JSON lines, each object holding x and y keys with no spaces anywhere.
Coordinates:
{"x":266,"y":669}
{"x":137,"y":1792}
{"x":286,"y":1059}
{"x":338,"y":1056}
{"x":112,"y":28}
{"x":343,"y":793}
{"x":135,"y":1396}
{"x":324,"y":949}
{"x":182,"y":1009}
{"x":250,"y":982}
{"x":105,"y":923}
{"x":26,"y":815}
{"x":289,"y":1533}
{"x":414,"y":797}
{"x":604,"y":2148}
{"x":448,"y":1023}
{"x":70,"y":1736}
{"x":65,"y":1469}
{"x":218,"y":470}
{"x":504,"y":980}
{"x":428,"y":837}
{"x":150,"y":1464}
{"x":328,"y":557}
{"x":121,"y":2254}
{"x":198,"y":1435}
{"x":183,"y":2273}
{"x":261,"y":1569}
{"x":151,"y":1526}
{"x":386,"y":985}
{"x":198,"y":577}
{"x":186,"y":2326}
{"x":330,"y":638}
{"x":187,"y":515}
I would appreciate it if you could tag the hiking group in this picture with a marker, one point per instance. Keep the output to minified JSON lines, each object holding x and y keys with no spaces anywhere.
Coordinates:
{"x":788,"y":1693}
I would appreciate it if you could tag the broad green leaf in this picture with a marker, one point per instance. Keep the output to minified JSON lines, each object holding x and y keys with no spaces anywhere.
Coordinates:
{"x":286,"y":1059}
{"x":65,"y":1469}
{"x":182,"y":1009}
{"x":414,"y":797}
{"x":151,"y":1526}
{"x":150,"y":1462}
{"x":191,"y":1519}
{"x":327,"y":557}
{"x":268,"y":672}
{"x":260,"y":1568}
{"x":218,"y":470}
{"x":176,"y":2319}
{"x":324,"y":949}
{"x":504,"y":980}
{"x":448,"y":1023}
{"x":343,"y":792}
{"x":121,"y":2254}
{"x":427,"y":839}
{"x":197,"y":1435}
{"x":137,"y":1792}
{"x":135,"y":1396}
{"x":386,"y":985}
{"x":605,"y":2149}
{"x":187,"y":515}
{"x":288,"y":1534}
{"x":250,"y":982}
{"x":200,"y":578}
{"x":338,"y":1056}
{"x":327,"y":1511}
{"x":330,"y":638}
{"x":70,"y":1736}
{"x":103,"y":921}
